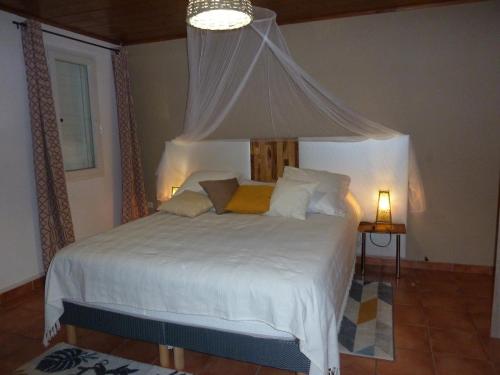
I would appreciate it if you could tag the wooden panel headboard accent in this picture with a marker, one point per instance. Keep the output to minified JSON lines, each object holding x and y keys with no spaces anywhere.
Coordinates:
{"x":270,"y":156}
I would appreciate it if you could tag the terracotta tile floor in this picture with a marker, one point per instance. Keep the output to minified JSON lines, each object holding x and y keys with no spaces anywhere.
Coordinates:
{"x":441,"y":328}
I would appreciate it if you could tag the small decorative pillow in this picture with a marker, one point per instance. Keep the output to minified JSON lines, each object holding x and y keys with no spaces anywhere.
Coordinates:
{"x":192,"y":182}
{"x":329,"y":198}
{"x":220,"y":192}
{"x":187,"y":203}
{"x":251,"y":199}
{"x":291,"y":198}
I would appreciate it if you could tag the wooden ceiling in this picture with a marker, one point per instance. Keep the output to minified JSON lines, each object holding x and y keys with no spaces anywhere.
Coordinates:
{"x":140,"y":21}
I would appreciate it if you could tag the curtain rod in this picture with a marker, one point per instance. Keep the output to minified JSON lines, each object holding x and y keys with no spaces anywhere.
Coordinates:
{"x":115,"y":50}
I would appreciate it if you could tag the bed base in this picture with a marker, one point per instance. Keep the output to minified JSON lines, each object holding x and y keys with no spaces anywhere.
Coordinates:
{"x":283,"y":354}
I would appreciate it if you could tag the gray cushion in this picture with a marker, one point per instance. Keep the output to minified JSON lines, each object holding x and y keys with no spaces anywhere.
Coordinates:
{"x":220,"y":192}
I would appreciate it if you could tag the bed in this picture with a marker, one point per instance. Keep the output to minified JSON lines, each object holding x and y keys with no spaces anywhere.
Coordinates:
{"x":267,"y":279}
{"x":266,"y":290}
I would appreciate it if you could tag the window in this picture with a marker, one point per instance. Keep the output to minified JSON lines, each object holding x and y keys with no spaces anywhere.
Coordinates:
{"x":75,"y":100}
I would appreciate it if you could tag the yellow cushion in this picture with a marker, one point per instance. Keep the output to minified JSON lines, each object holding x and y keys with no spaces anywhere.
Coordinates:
{"x":251,"y":199}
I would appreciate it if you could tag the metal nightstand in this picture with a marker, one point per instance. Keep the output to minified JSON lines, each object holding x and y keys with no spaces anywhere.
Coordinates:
{"x":397,"y":229}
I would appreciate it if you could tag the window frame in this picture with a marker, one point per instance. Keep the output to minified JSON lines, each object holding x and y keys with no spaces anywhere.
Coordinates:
{"x":89,"y":61}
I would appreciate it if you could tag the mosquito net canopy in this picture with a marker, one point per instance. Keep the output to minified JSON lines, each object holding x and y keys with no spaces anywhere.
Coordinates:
{"x":228,"y":70}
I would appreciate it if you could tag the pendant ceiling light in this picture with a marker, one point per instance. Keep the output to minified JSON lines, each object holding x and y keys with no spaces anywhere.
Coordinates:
{"x":219,"y":14}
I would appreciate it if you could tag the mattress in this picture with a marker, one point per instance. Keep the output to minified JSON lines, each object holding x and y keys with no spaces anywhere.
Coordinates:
{"x":264,"y":276}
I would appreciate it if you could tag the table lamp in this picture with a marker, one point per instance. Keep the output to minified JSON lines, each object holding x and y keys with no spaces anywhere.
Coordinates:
{"x":384,"y":208}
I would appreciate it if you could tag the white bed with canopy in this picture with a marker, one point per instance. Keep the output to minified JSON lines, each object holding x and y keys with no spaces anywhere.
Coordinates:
{"x":222,"y":67}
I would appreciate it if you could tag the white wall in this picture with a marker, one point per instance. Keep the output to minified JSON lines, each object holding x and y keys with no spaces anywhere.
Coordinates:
{"x":94,"y":202}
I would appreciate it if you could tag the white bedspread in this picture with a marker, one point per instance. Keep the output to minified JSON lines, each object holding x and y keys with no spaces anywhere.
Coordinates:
{"x":289,"y":274}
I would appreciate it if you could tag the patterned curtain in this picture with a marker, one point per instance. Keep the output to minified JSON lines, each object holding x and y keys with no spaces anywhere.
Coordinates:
{"x":133,"y":194}
{"x":56,"y":226}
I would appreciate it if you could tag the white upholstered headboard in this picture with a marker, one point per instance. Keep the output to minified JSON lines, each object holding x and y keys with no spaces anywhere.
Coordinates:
{"x":180,"y":160}
{"x":371,"y":164}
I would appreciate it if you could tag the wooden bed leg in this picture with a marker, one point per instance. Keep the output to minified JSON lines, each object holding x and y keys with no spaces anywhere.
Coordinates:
{"x":164,"y":357}
{"x":179,"y":358}
{"x":71,"y":334}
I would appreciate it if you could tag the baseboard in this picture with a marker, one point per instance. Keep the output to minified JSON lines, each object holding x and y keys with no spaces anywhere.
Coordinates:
{"x":22,"y":290}
{"x":434,"y":266}
{"x":21,"y":282}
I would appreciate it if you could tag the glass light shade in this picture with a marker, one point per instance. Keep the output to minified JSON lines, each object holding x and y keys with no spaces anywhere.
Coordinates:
{"x":174,"y":190}
{"x":384,"y":208}
{"x":219,"y":14}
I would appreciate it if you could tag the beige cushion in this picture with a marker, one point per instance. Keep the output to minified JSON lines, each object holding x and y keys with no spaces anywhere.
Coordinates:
{"x":220,"y":192}
{"x":188,"y":203}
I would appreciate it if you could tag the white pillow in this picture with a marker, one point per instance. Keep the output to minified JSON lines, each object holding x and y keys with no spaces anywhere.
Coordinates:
{"x":329,"y":198}
{"x":193,"y":181}
{"x":291,"y":198}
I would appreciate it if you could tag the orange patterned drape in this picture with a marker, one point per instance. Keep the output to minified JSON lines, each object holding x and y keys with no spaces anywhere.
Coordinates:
{"x":134,"y":203}
{"x":56,"y":227}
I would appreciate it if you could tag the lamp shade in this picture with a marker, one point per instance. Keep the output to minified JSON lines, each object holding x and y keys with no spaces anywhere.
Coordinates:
{"x":219,"y":14}
{"x":384,"y":215}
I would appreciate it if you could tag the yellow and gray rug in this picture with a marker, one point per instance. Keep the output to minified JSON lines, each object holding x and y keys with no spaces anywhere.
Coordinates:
{"x":71,"y":360}
{"x":367,"y":328}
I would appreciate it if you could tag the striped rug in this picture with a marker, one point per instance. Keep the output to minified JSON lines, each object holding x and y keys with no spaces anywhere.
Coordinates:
{"x":367,"y":328}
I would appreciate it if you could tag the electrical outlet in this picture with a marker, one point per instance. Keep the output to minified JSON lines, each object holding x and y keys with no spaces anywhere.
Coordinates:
{"x":151,"y":205}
